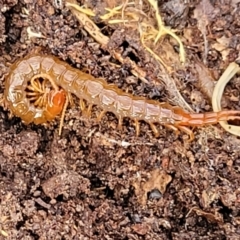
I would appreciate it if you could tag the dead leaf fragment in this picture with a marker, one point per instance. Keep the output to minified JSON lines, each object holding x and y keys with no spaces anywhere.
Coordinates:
{"x":211,"y":217}
{"x":159,"y":180}
{"x":68,"y":183}
{"x":208,"y":196}
{"x":222,"y":46}
{"x":206,"y":82}
{"x":204,"y":13}
{"x":141,"y":228}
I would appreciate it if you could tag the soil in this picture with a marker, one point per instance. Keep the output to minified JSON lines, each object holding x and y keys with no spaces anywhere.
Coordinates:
{"x":96,"y":182}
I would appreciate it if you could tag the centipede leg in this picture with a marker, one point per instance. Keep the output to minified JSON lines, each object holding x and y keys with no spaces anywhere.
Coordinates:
{"x":188,"y":131}
{"x":41,"y":101}
{"x":70,"y":99}
{"x":137,"y":127}
{"x":3,"y":103}
{"x":175,"y":129}
{"x":100,"y":116}
{"x":82,"y":105}
{"x":88,"y":112}
{"x":154,"y":129}
{"x":120,"y":121}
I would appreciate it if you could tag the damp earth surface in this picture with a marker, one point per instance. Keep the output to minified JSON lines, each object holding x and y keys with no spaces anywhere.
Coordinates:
{"x":97,"y":182}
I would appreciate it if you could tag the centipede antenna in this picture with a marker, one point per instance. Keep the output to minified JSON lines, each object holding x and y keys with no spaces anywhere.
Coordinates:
{"x":62,"y":116}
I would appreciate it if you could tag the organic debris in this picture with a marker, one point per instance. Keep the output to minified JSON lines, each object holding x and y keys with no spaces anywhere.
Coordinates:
{"x":159,"y":180}
{"x":231,"y":70}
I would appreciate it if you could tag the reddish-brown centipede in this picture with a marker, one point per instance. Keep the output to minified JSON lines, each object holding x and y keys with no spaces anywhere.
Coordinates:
{"x":95,"y":91}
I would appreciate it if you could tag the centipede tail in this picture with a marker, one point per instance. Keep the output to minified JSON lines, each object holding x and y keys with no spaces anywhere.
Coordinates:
{"x":201,"y":119}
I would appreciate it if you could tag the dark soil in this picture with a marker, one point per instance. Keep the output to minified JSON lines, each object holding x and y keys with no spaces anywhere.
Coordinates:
{"x":96,"y":182}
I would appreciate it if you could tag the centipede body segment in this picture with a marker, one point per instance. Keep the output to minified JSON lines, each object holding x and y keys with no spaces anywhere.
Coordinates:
{"x":41,"y":102}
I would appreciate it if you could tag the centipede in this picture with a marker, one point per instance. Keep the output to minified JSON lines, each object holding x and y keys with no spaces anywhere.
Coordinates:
{"x":37,"y":89}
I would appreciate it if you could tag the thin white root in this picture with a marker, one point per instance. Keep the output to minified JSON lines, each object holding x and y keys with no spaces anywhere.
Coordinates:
{"x":231,"y":70}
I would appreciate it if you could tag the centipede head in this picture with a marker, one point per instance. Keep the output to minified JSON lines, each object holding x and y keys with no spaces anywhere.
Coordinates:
{"x":56,"y":101}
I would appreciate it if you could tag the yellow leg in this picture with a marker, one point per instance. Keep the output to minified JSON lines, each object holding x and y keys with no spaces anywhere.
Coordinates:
{"x":120,"y":121}
{"x":100,"y":116}
{"x":137,"y":127}
{"x":188,"y":131}
{"x":82,"y":105}
{"x":175,"y":129}
{"x":154,"y":129}
{"x":89,"y":110}
{"x":70,"y":99}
